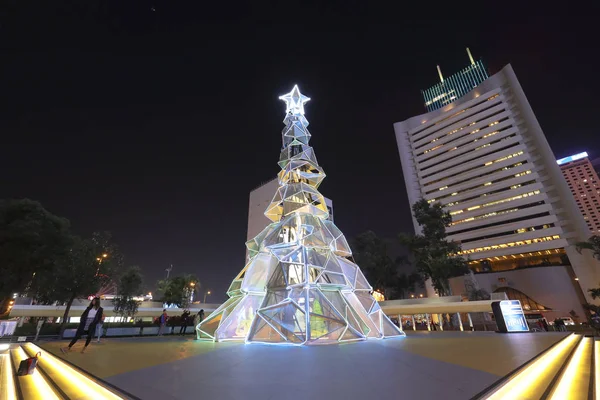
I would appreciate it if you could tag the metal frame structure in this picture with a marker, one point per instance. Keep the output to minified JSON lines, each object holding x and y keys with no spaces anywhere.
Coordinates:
{"x":299,"y":285}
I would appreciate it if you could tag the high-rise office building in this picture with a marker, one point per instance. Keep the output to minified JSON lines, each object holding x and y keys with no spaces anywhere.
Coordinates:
{"x":455,"y":86}
{"x":596,"y":164}
{"x":485,"y":158}
{"x":585,"y":185}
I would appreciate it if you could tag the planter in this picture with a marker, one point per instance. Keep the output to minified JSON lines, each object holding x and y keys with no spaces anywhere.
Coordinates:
{"x":122,"y":331}
{"x":150,"y":330}
{"x":69,"y":333}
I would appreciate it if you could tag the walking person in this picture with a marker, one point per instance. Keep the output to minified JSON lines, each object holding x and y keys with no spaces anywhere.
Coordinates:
{"x":163,"y":322}
{"x":184,"y":321}
{"x":197,"y":319}
{"x":99,"y":328}
{"x":87,"y":325}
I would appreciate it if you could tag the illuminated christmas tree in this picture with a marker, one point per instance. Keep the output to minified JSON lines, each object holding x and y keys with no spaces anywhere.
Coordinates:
{"x":299,"y":285}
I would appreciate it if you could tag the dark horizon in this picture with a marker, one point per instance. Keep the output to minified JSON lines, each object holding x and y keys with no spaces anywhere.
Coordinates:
{"x":154,"y":121}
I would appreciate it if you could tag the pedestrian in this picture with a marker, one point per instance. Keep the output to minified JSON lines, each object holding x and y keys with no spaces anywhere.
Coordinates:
{"x":184,"y":322}
{"x":99,"y":328}
{"x":87,"y":324}
{"x":163,"y":322}
{"x":197,"y":319}
{"x":545,"y":324}
{"x":562,"y":325}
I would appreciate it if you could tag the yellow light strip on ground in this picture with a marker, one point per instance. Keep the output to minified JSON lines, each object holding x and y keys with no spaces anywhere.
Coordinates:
{"x":82,"y":382}
{"x":42,"y":389}
{"x":7,"y":387}
{"x":573,"y":383}
{"x":596,"y":369}
{"x":526,"y":380}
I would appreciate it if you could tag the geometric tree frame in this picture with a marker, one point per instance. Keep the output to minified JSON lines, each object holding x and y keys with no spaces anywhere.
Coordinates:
{"x":299,"y":285}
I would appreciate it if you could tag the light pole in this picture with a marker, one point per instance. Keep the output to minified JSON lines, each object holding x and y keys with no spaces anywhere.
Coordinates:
{"x":205,"y":294}
{"x":99,"y":259}
{"x":192,"y":285}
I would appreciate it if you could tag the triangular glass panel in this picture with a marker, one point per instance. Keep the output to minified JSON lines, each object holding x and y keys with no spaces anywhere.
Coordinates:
{"x":349,"y":270}
{"x":274,"y":297}
{"x":324,"y":329}
{"x":261,"y":331}
{"x":237,"y":324}
{"x":350,"y":334}
{"x":278,"y":278}
{"x":330,"y":278}
{"x":356,"y":323}
{"x":361,"y":314}
{"x":209,"y":326}
{"x":376,"y":318}
{"x":388,"y":327}
{"x":259,"y":271}
{"x":332,"y":265}
{"x":366,"y":300}
{"x":235,"y":288}
{"x":336,"y":300}
{"x":296,"y":273}
{"x":288,"y":320}
{"x":361,"y":281}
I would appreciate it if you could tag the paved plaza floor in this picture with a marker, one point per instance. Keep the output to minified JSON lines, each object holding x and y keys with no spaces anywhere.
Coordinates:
{"x":423,"y":365}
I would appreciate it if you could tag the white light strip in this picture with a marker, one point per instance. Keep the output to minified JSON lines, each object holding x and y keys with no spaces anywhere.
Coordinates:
{"x":574,"y":157}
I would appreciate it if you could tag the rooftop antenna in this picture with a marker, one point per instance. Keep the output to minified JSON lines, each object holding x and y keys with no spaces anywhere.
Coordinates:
{"x":440,"y":73}
{"x":169,"y":270}
{"x":470,"y":56}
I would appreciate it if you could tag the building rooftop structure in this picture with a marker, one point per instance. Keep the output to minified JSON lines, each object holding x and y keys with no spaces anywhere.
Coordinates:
{"x":455,"y":86}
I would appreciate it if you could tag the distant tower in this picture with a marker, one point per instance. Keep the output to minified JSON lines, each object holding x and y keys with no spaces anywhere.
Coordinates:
{"x":299,"y":285}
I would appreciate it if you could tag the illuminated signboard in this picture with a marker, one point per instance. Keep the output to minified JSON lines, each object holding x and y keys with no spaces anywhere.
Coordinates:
{"x":571,"y":158}
{"x":509,"y":316}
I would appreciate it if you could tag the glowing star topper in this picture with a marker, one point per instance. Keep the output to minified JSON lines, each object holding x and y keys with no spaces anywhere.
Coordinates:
{"x":294,"y":101}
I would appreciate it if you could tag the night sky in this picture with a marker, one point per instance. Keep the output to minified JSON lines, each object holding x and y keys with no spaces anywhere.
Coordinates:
{"x":154,"y":120}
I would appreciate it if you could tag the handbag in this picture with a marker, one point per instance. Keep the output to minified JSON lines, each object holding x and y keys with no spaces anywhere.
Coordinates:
{"x":27,"y":366}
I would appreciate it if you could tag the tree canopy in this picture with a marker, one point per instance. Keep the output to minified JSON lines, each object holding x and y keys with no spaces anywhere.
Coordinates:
{"x":371,"y":254}
{"x":129,"y":285}
{"x":32,"y":241}
{"x":88,"y":265}
{"x":435,"y":257}
{"x":593,"y":244}
{"x":178,"y":290}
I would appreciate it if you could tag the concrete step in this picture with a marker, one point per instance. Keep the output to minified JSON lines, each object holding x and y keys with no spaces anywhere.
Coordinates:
{"x":576,"y":379}
{"x":66,"y":380}
{"x":34,"y":386}
{"x":537,"y":378}
{"x":7,"y":380}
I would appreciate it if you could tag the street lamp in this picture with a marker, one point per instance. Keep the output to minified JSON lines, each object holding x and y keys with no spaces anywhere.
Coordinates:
{"x":192,"y":286}
{"x":205,"y":294}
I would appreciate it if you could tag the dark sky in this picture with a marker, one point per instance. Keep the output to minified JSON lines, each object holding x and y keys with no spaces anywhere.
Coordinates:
{"x":154,"y":120}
